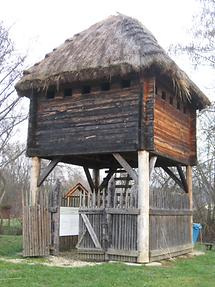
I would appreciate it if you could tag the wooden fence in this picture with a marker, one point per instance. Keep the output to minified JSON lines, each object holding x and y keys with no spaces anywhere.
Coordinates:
{"x":170,"y":219}
{"x":36,"y":227}
{"x":73,"y":201}
{"x":108,"y":225}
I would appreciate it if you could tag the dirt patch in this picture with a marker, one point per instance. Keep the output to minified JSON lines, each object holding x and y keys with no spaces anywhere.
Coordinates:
{"x":53,"y":261}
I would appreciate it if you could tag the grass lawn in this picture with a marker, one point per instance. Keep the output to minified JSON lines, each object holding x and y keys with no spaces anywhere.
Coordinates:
{"x":10,"y":245}
{"x":197,"y":271}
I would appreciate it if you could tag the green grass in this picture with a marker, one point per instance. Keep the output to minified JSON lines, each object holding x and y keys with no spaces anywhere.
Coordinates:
{"x":195,"y":272}
{"x":10,"y":245}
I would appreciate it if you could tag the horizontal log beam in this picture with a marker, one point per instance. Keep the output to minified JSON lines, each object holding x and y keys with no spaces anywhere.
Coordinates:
{"x":122,"y":211}
{"x":130,"y":253}
{"x":169,"y":212}
{"x":171,"y":250}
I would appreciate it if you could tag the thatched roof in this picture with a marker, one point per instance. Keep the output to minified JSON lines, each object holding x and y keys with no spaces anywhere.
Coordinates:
{"x":115,"y":46}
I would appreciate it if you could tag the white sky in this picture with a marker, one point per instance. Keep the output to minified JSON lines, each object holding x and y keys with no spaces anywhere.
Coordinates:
{"x":39,"y":26}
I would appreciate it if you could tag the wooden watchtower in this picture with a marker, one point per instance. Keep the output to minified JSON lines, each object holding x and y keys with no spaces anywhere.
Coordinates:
{"x":111,"y":98}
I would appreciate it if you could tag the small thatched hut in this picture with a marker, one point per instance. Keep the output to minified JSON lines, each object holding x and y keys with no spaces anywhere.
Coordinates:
{"x":110,"y":97}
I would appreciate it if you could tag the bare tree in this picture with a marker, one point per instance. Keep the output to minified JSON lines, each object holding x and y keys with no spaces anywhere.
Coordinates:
{"x":201,"y":50}
{"x":10,"y":105}
{"x":204,"y":173}
{"x":11,"y":114}
{"x":201,"y":47}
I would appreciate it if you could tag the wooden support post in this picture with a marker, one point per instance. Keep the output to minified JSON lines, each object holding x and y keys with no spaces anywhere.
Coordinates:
{"x":35,"y":174}
{"x":96,"y":179}
{"x":54,"y":208}
{"x":152,"y":163}
{"x":190,"y":194}
{"x":143,"y":205}
{"x":89,"y":178}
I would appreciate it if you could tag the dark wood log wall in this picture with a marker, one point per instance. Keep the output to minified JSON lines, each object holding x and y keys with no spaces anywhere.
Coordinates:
{"x":148,"y":115}
{"x":86,"y":123}
{"x":143,"y":116}
{"x":174,"y":127}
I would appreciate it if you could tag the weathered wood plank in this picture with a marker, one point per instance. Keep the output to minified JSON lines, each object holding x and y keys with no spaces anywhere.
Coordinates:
{"x":169,"y":212}
{"x":130,"y":253}
{"x":170,"y":250}
{"x":103,"y":121}
{"x":91,"y":231}
{"x":174,"y":132}
{"x":122,"y":210}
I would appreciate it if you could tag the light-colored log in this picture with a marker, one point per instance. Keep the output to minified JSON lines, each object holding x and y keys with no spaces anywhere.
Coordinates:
{"x":152,"y":163}
{"x":190,"y":194}
{"x":35,"y":174}
{"x":143,"y":205}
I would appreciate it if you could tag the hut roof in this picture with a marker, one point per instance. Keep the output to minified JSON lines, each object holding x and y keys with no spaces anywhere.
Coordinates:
{"x":77,"y":187}
{"x":115,"y":46}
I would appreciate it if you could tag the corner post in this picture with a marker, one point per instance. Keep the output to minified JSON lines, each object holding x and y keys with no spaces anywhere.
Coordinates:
{"x":190,"y":194}
{"x":35,"y":173}
{"x":143,"y":205}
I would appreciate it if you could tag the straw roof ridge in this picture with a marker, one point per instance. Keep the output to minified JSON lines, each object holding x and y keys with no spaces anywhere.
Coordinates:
{"x":115,"y":46}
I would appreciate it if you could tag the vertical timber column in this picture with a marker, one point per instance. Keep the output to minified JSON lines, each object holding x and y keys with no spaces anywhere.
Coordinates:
{"x":96,"y":177}
{"x":190,"y":194}
{"x":35,"y":173}
{"x":143,"y":205}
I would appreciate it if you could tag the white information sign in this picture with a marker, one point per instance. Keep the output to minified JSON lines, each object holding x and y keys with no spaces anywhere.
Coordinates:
{"x":69,"y":221}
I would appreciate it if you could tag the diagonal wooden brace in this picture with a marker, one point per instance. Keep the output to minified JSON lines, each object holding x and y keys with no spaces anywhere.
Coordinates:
{"x":91,"y":231}
{"x":126,"y":166}
{"x":47,"y":171}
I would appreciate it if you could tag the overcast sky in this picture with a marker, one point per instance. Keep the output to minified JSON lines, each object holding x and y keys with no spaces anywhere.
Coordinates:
{"x":41,"y":25}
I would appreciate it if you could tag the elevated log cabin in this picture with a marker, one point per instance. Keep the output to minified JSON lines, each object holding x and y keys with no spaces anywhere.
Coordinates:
{"x":110,"y":97}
